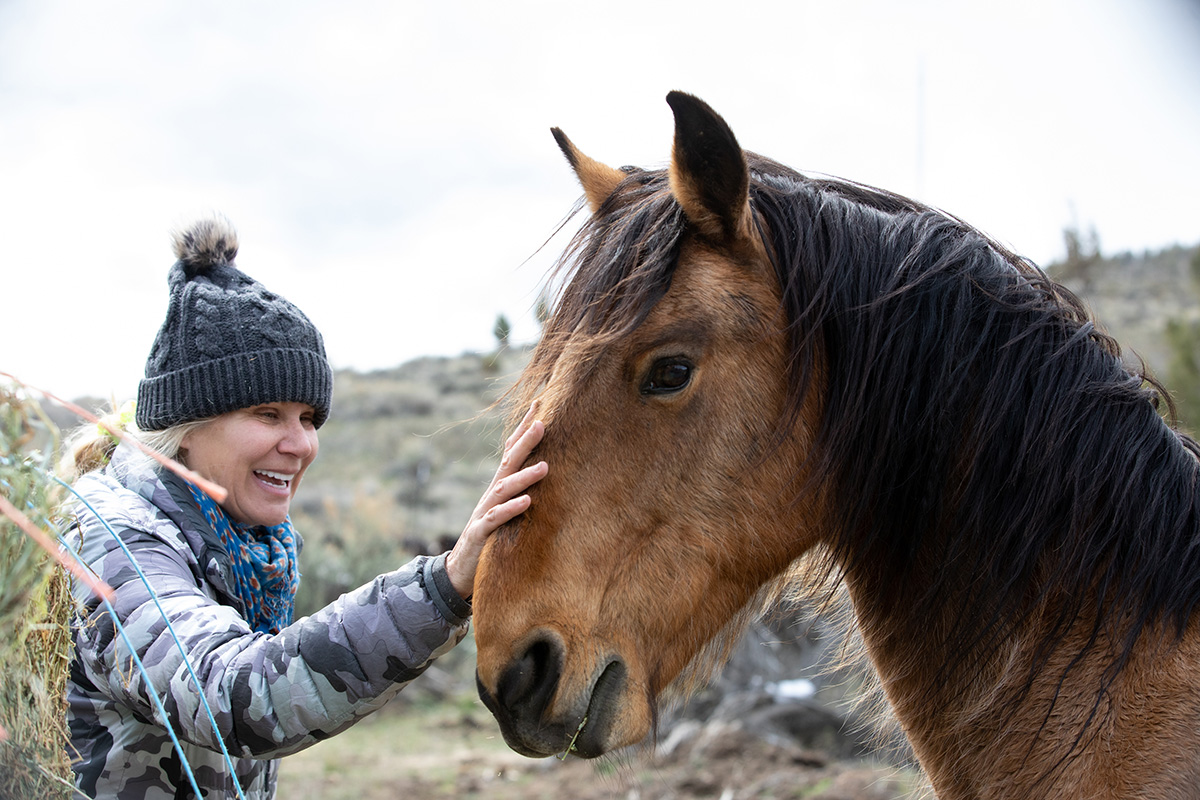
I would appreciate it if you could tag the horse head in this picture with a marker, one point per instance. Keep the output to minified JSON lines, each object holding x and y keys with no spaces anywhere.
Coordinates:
{"x":673,"y":503}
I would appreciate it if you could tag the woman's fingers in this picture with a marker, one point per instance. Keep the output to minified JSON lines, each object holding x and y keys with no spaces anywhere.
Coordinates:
{"x":506,"y":489}
{"x":504,"y":499}
{"x":521,"y":443}
{"x":501,"y":513}
{"x":526,"y":421}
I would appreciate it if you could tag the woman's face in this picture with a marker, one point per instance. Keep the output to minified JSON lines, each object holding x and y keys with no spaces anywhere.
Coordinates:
{"x":258,"y":454}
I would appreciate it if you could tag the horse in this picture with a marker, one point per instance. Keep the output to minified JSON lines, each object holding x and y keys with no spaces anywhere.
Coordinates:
{"x":747,"y":369}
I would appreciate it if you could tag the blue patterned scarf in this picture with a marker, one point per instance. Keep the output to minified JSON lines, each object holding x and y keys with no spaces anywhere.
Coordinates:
{"x":265,"y":574}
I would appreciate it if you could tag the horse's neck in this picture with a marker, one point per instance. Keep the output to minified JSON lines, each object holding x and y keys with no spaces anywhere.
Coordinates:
{"x":984,"y":732}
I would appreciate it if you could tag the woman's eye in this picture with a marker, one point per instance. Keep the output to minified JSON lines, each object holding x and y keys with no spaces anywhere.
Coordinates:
{"x":667,"y":375}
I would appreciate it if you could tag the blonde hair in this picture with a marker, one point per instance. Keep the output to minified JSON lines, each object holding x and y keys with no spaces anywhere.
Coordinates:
{"x":90,"y":447}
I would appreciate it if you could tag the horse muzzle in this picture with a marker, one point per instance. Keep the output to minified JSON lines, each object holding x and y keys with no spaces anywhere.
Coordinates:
{"x":540,"y":714}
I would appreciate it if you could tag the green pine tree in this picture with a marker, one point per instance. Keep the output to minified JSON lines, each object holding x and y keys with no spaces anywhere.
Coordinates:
{"x":502,"y":331}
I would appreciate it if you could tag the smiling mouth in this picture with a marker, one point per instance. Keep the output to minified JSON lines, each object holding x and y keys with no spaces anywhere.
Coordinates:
{"x":279,"y":479}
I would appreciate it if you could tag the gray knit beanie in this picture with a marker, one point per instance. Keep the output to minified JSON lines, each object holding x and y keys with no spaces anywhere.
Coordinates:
{"x":227,"y":342}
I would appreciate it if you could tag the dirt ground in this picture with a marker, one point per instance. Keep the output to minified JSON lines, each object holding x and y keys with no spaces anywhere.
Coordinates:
{"x":738,"y":768}
{"x":437,"y":753}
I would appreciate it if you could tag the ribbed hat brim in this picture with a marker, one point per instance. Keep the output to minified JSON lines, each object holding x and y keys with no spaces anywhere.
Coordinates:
{"x":211,"y":388}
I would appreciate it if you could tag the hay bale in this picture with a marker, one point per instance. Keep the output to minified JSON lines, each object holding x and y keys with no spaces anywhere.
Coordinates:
{"x":35,"y":604}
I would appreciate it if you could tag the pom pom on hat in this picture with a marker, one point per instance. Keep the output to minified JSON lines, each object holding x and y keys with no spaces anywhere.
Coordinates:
{"x":227,"y":342}
{"x":206,"y":243}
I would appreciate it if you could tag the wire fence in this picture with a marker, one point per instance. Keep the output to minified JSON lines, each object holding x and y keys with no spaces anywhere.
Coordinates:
{"x":36,"y":607}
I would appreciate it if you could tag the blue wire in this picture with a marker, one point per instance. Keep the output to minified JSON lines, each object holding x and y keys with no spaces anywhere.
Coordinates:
{"x":158,"y":703}
{"x":120,"y":629}
{"x":187,"y":768}
{"x":187,"y":662}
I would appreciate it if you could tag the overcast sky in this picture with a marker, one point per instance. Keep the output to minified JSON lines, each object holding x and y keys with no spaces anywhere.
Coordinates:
{"x":390,"y":170}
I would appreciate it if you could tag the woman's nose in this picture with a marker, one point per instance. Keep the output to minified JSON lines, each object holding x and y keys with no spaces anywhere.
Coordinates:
{"x":298,"y":440}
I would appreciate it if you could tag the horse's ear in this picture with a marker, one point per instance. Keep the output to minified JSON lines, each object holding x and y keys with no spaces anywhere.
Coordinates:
{"x":709,"y":176}
{"x":599,"y":180}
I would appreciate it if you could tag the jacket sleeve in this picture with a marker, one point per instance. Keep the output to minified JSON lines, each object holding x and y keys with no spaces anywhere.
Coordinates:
{"x":270,"y":695}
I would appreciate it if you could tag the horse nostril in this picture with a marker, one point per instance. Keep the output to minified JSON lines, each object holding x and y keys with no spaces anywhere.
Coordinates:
{"x":531,"y":680}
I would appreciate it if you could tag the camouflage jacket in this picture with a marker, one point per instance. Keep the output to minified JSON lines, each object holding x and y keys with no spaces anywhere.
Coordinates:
{"x":270,"y":695}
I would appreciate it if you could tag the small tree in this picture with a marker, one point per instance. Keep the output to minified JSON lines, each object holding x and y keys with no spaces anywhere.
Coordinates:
{"x":502,"y":331}
{"x":542,"y":310}
{"x":1083,"y":253}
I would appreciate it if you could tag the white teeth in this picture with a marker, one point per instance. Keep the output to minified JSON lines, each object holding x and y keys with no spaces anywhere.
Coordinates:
{"x":286,"y":477}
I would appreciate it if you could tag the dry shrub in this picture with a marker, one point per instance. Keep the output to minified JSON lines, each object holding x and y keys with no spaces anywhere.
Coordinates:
{"x":35,"y":602}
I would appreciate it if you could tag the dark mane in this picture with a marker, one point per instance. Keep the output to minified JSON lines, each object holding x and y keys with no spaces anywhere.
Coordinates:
{"x":616,"y":268}
{"x":972,"y":414}
{"x":973,"y":407}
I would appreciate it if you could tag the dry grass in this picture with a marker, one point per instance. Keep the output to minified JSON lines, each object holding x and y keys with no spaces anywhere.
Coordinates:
{"x":34,"y":609}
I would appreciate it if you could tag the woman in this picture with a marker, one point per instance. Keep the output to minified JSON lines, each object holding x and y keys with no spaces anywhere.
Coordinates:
{"x":236,"y":387}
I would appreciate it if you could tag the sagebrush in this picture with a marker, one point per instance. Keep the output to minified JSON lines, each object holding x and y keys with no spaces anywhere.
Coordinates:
{"x":35,"y":604}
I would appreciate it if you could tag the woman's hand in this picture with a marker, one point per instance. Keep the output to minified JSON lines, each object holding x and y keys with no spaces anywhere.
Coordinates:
{"x":502,"y":501}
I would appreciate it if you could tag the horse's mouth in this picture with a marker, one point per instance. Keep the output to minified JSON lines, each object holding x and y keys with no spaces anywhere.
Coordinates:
{"x":531,"y":731}
{"x":591,"y":738}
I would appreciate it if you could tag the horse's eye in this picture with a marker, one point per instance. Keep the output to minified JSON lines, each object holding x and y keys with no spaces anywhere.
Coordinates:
{"x":667,"y":375}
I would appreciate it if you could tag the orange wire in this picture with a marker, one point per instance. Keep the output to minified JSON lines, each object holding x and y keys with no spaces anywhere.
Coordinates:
{"x":50,"y":546}
{"x":213,"y":490}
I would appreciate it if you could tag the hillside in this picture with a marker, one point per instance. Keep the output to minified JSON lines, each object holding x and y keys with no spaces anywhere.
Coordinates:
{"x":1135,"y":296}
